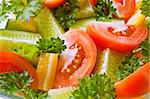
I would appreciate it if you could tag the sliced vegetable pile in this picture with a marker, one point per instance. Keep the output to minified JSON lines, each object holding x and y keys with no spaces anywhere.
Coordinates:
{"x":74,"y":49}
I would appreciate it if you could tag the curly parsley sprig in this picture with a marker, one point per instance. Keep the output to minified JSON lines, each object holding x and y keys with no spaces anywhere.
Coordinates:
{"x":13,"y":83}
{"x":104,"y":10}
{"x":23,"y":9}
{"x":97,"y":87}
{"x":67,"y":13}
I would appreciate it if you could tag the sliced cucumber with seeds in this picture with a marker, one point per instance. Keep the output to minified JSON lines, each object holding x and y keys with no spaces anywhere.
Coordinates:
{"x":82,"y":24}
{"x":47,"y":25}
{"x":85,"y":11}
{"x":108,"y":62}
{"x":61,"y":93}
{"x":21,"y":25}
{"x":10,"y":39}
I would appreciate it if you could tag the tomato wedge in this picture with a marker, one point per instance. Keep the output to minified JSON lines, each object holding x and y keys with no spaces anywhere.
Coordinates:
{"x":53,"y":3}
{"x":77,"y":61}
{"x":11,"y":62}
{"x":103,"y":36}
{"x":136,"y":84}
{"x":125,"y":8}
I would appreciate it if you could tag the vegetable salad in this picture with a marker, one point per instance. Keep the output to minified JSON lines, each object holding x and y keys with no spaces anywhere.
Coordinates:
{"x":74,"y":49}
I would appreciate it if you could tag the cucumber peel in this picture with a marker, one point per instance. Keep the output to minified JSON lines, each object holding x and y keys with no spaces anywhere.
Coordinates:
{"x":47,"y":25}
{"x":108,"y":62}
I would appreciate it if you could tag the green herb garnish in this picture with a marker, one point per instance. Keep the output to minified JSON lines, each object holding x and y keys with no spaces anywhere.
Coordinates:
{"x":23,"y":9}
{"x":18,"y":83}
{"x":97,"y":87}
{"x":67,"y":13}
{"x":130,"y":65}
{"x":145,"y":7}
{"x":104,"y":10}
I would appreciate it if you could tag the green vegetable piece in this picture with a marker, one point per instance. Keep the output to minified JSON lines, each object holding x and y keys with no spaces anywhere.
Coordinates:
{"x":82,"y":24}
{"x":13,"y":83}
{"x":47,"y":25}
{"x":100,"y":86}
{"x":85,"y":11}
{"x":108,"y":61}
{"x":145,"y":7}
{"x":29,"y":26}
{"x":10,"y":40}
{"x":61,"y":93}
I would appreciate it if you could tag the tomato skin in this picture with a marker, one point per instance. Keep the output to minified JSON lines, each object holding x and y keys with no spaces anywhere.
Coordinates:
{"x":93,"y":2}
{"x":134,"y":85}
{"x":90,"y":53}
{"x":125,"y":8}
{"x":53,"y":3}
{"x":104,"y":39}
{"x":16,"y":64}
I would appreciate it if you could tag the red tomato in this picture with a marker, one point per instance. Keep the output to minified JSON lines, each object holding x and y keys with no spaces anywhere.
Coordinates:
{"x":136,"y":84}
{"x":80,"y":45}
{"x":11,"y":62}
{"x":125,"y":8}
{"x":93,"y":2}
{"x":101,"y":33}
{"x":53,"y":3}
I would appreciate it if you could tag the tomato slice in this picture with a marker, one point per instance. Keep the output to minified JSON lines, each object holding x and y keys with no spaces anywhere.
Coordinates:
{"x":136,"y":84}
{"x":11,"y":62}
{"x":125,"y":8}
{"x":82,"y":52}
{"x":93,"y":2}
{"x":53,"y":3}
{"x":101,"y":32}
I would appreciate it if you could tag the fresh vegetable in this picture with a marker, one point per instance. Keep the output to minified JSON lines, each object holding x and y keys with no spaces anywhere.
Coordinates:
{"x":29,"y":26}
{"x":67,"y":13}
{"x":47,"y":25}
{"x":17,"y":84}
{"x":105,"y":35}
{"x":23,"y":9}
{"x":144,"y":6}
{"x":53,"y":3}
{"x":108,"y":62}
{"x":21,"y":42}
{"x":93,"y":2}
{"x":11,"y":62}
{"x":125,"y":8}
{"x":135,"y":84}
{"x":104,"y":10}
{"x":129,"y":66}
{"x":61,"y":93}
{"x":97,"y":87}
{"x":76,"y":62}
{"x":46,"y":70}
{"x":53,"y":45}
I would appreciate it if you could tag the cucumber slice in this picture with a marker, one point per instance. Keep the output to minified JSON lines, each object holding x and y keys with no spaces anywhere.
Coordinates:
{"x":61,"y":93}
{"x":10,"y":39}
{"x":108,"y":62}
{"x":21,"y":25}
{"x":47,"y":25}
{"x":82,"y":24}
{"x":85,"y":11}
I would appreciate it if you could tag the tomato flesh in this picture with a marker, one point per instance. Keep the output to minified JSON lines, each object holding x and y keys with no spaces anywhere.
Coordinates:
{"x":11,"y":62}
{"x":125,"y":8}
{"x":136,"y":84}
{"x":100,"y":33}
{"x":83,"y":63}
{"x":93,"y":2}
{"x":53,"y":3}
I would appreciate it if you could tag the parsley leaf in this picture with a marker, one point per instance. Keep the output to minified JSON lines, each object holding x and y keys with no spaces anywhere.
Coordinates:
{"x":53,"y":45}
{"x":97,"y":87}
{"x":104,"y":10}
{"x":67,"y":13}
{"x":145,"y":7}
{"x":23,"y":11}
{"x":130,"y":65}
{"x":13,"y":83}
